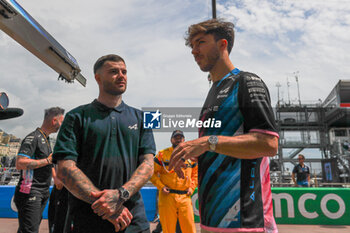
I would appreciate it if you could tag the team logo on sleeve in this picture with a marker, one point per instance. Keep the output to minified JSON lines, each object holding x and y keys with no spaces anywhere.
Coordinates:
{"x":28,"y":140}
{"x":152,"y":120}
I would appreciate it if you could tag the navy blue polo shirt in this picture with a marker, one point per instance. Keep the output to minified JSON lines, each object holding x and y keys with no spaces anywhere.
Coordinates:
{"x":107,"y":145}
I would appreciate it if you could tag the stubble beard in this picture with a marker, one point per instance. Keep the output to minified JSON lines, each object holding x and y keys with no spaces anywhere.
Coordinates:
{"x":212,"y":57}
{"x":107,"y":87}
{"x":57,"y":127}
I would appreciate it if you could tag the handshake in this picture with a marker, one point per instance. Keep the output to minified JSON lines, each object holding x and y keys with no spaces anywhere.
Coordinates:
{"x":109,"y":206}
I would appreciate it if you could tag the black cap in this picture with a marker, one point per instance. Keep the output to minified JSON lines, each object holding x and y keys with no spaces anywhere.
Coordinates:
{"x":177,"y":132}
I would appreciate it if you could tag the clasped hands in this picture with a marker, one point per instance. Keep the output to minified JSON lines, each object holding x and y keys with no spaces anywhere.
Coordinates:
{"x":109,"y":207}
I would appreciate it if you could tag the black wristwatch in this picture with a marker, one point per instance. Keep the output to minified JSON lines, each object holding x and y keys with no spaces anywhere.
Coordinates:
{"x":124,"y":194}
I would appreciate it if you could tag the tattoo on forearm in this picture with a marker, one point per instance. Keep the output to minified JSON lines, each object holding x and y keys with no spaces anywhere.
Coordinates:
{"x":78,"y":183}
{"x":37,"y":164}
{"x":142,"y":174}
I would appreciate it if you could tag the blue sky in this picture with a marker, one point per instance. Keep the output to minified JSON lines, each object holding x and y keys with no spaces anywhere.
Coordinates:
{"x":273,"y":40}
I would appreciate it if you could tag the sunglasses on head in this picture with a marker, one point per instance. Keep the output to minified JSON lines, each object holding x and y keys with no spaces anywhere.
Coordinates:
{"x":4,"y":101}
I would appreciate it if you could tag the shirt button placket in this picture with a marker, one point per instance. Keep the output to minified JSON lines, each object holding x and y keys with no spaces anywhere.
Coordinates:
{"x":114,"y":123}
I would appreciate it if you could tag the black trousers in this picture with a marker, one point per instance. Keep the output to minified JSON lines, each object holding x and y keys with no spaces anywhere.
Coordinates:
{"x":59,"y":220}
{"x":30,"y":210}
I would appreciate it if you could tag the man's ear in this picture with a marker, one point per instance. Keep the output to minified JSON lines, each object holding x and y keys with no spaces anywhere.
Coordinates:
{"x":223,"y":44}
{"x":97,"y":77}
{"x":53,"y":120}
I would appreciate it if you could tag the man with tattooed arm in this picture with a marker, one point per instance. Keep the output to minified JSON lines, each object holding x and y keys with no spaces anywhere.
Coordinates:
{"x":34,"y":159}
{"x":105,"y":156}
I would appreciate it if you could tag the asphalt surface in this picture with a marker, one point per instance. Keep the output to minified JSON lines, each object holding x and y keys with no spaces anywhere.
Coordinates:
{"x":9,"y":225}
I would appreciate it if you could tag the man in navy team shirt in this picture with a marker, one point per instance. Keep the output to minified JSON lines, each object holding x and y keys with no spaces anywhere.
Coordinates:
{"x":234,"y":181}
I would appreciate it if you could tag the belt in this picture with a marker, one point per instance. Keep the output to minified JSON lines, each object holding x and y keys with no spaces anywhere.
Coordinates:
{"x":177,"y":191}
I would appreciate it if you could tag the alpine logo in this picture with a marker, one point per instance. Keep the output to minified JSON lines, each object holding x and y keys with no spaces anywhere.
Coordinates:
{"x":224,"y":91}
{"x":134,"y":127}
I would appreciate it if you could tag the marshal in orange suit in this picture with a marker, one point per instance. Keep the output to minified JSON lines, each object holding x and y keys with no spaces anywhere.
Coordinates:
{"x":175,"y":193}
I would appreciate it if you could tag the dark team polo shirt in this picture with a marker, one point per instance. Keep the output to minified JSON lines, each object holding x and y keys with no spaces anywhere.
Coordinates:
{"x":107,"y":144}
{"x":35,"y":145}
{"x":302,"y":173}
{"x":235,"y":194}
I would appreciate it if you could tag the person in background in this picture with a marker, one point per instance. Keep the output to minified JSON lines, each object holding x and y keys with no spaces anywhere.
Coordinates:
{"x":58,"y":219}
{"x":303,"y":173}
{"x":175,"y":193}
{"x":158,"y":228}
{"x":34,"y":159}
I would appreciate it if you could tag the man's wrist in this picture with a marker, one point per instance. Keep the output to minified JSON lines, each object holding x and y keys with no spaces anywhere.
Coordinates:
{"x":48,"y":161}
{"x":124,"y":194}
{"x":203,"y":142}
{"x":212,"y":141}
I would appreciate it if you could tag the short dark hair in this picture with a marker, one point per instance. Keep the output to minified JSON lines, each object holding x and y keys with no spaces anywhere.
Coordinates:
{"x":52,"y":112}
{"x":219,"y":28}
{"x":110,"y":57}
{"x":302,"y":156}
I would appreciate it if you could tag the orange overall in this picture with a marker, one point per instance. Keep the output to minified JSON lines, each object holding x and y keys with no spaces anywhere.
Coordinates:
{"x":177,"y":204}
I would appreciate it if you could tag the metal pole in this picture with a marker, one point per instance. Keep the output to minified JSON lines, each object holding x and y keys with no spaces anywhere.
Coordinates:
{"x":297,"y":80}
{"x":288,"y":84}
{"x":213,"y":2}
{"x":278,"y":85}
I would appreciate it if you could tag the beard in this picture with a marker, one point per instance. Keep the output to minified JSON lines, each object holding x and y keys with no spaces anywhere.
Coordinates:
{"x":57,"y":127}
{"x":110,"y":89}
{"x":212,"y":58}
{"x":176,"y":143}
